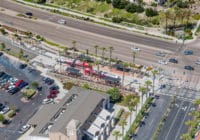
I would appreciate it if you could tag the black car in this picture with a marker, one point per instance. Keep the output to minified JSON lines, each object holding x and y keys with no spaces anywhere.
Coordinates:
{"x":48,"y":81}
{"x":189,"y":68}
{"x":1,"y":106}
{"x":121,"y":68}
{"x":84,"y":57}
{"x":14,"y":90}
{"x":39,"y":88}
{"x":2,"y":73}
{"x":173,"y":60}
{"x":6,"y":121}
{"x":29,"y":14}
{"x":22,"y":66}
{"x":54,"y":87}
{"x":188,"y":52}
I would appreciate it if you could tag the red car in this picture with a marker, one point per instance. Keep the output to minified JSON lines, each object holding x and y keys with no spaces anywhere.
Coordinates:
{"x":52,"y":96}
{"x":18,"y":83}
{"x":54,"y":92}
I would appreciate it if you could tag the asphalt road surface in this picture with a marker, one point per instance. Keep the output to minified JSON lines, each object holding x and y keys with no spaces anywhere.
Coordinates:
{"x":151,"y":122}
{"x":175,"y":126}
{"x":86,"y":26}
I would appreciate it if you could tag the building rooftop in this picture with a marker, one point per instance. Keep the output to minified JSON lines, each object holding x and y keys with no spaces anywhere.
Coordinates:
{"x":78,"y":104}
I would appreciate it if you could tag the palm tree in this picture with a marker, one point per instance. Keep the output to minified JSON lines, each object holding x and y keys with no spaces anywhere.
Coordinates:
{"x":167,"y":15}
{"x":148,"y":83}
{"x":110,"y":51}
{"x":134,"y":56}
{"x":188,"y":14}
{"x":74,"y":44}
{"x":96,"y":49}
{"x":186,"y":136}
{"x":74,"y":47}
{"x":143,"y":90}
{"x":130,"y":102}
{"x":136,"y":100}
{"x":177,"y":14}
{"x":65,"y":50}
{"x":154,"y":72}
{"x":116,"y":134}
{"x":103,"y":52}
{"x":97,"y":63}
{"x":125,"y":65}
{"x":122,"y":123}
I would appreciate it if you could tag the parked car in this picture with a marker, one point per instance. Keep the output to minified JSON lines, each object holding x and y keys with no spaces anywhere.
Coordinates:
{"x":6,"y":121}
{"x":1,"y":53}
{"x":54,"y":92}
{"x":50,"y":82}
{"x":189,"y":68}
{"x":24,"y":128}
{"x":52,"y":96}
{"x":14,"y":90}
{"x":1,"y":106}
{"x":18,"y":83}
{"x":188,"y":52}
{"x":4,"y":110}
{"x":22,"y":66}
{"x":173,"y":60}
{"x":47,"y":101}
{"x":54,"y":87}
{"x":39,"y":88}
{"x":22,"y":85}
{"x":1,"y":73}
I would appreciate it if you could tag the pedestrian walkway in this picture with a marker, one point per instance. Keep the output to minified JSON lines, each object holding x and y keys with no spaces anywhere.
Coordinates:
{"x":128,"y":125}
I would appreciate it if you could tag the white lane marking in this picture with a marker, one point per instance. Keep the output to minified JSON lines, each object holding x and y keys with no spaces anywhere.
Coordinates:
{"x":177,"y":134}
{"x":173,"y":121}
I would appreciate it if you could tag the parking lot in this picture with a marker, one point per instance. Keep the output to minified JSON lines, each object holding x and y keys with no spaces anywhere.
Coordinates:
{"x":24,"y":109}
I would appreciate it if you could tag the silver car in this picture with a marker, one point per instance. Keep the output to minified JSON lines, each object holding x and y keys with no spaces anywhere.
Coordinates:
{"x":197,"y":62}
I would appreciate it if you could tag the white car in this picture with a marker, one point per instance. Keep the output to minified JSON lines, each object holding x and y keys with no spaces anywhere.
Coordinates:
{"x":24,"y":128}
{"x":135,"y":49}
{"x":197,"y":62}
{"x":163,"y":62}
{"x":47,"y":101}
{"x":4,"y":110}
{"x":62,"y":21}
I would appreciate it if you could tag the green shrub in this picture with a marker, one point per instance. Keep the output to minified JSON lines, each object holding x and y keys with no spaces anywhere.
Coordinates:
{"x":2,"y":118}
{"x":35,"y":85}
{"x":11,"y":114}
{"x":68,"y":85}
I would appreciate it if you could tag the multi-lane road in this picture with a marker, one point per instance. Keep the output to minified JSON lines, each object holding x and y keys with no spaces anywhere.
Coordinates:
{"x":175,"y":125}
{"x":88,"y":34}
{"x":86,"y":26}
